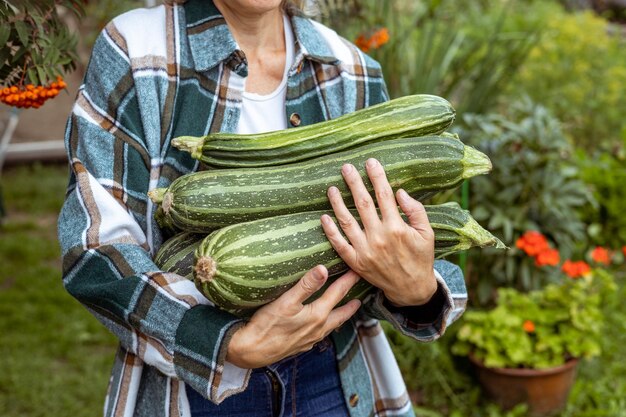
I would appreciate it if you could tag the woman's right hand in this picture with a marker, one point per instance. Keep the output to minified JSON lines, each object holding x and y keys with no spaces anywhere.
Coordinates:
{"x":286,"y":327}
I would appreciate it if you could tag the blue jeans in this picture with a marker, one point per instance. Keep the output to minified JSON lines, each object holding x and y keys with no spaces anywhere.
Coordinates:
{"x":304,"y":385}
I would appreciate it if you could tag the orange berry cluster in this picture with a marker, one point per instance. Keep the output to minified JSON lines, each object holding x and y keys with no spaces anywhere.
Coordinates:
{"x":29,"y":95}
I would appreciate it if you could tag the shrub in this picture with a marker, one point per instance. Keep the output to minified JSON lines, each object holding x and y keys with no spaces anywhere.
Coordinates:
{"x":540,"y":329}
{"x":469,"y":67}
{"x":605,"y":174}
{"x":578,"y":71}
{"x":534,"y":185}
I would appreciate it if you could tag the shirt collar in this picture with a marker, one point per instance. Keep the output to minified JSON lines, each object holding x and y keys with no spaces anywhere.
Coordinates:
{"x":211,"y":42}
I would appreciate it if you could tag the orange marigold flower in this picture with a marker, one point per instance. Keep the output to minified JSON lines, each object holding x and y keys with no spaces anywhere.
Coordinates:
{"x":379,"y":38}
{"x":528,"y":326}
{"x":584,"y":268}
{"x":601,"y":255}
{"x":362,"y":43}
{"x":376,"y":40}
{"x":624,"y":250}
{"x":533,"y":243}
{"x":576,"y":269}
{"x":549,"y":257}
{"x":569,"y":268}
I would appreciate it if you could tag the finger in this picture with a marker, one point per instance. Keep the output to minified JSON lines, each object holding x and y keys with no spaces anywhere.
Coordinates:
{"x":312,"y":281}
{"x":384,"y":194}
{"x":336,"y":291}
{"x":415,"y":212}
{"x":344,"y":249}
{"x":362,"y":198}
{"x":346,"y":220}
{"x":340,"y":315}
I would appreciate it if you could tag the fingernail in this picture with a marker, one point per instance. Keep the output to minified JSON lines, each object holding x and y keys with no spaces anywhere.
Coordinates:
{"x":326,"y":219}
{"x":333,"y":190}
{"x":347,"y":168}
{"x":317,"y":274}
{"x":402,"y":194}
{"x":371,"y":163}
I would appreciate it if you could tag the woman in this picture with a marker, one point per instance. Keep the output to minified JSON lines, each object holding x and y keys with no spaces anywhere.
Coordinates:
{"x":246,"y":66}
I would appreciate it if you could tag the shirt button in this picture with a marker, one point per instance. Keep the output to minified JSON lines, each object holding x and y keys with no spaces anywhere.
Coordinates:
{"x":354,"y":400}
{"x":295,"y":119}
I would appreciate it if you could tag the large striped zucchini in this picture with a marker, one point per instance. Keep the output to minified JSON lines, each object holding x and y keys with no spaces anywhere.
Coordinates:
{"x":409,"y":116}
{"x":177,"y":253}
{"x":211,"y":199}
{"x":244,"y":266}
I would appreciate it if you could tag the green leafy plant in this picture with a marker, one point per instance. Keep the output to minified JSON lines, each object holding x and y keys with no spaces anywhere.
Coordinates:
{"x":35,"y":43}
{"x":423,"y":55}
{"x":578,"y":71}
{"x":540,"y":329}
{"x":431,"y":372}
{"x":441,"y":385}
{"x":534,"y":185}
{"x":605,"y":174}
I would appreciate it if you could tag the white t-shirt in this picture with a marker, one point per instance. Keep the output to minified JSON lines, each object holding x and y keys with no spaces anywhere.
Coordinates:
{"x":264,"y":113}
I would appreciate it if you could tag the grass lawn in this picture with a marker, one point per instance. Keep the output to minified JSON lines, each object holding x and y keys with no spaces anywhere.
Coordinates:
{"x":54,"y":356}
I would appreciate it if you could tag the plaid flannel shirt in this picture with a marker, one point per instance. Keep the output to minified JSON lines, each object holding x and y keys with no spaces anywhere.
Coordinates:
{"x":164,"y":72}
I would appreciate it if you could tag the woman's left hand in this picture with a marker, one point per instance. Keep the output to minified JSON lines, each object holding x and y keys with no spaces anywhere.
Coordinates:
{"x":391,"y":254}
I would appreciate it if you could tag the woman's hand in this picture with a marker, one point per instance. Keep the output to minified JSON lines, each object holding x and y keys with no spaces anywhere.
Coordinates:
{"x":285,"y":326}
{"x":390,"y":254}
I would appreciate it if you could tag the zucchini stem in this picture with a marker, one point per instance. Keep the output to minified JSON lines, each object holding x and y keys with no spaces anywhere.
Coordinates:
{"x":157,"y":195}
{"x":475,"y":163}
{"x":190,"y":144}
{"x":479,"y":236}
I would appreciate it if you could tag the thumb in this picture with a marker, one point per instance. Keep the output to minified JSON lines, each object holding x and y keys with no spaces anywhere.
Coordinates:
{"x":414,"y":211}
{"x":312,"y":281}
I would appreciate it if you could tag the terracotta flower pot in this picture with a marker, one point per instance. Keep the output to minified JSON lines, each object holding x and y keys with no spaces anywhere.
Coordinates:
{"x":544,"y":390}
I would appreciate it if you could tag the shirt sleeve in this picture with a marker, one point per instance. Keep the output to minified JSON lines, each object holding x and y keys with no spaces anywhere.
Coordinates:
{"x":425,"y":323}
{"x":106,"y":228}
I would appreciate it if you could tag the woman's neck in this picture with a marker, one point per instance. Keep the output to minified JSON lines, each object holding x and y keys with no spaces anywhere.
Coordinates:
{"x":257,"y":26}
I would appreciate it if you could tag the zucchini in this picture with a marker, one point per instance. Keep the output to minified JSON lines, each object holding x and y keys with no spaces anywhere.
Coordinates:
{"x":164,"y":223}
{"x":416,"y":115}
{"x":211,"y":199}
{"x":246,"y":265}
{"x":176,"y":254}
